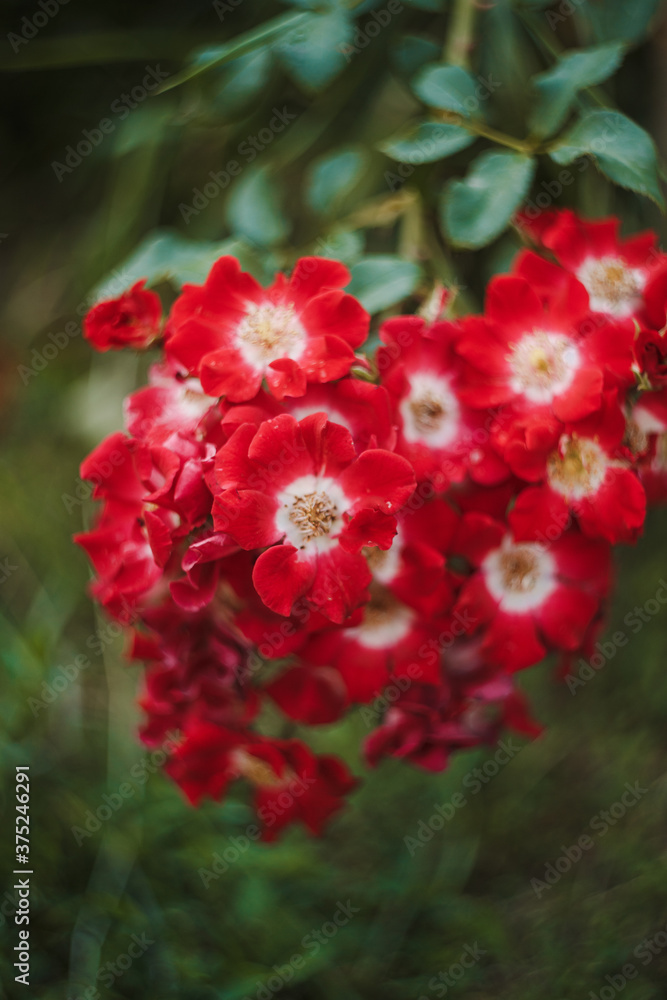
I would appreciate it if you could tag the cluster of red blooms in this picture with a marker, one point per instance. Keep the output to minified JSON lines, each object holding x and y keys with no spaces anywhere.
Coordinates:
{"x":289,"y":523}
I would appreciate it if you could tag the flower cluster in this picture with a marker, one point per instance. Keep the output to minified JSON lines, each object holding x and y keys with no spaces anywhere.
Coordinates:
{"x":296,"y":528}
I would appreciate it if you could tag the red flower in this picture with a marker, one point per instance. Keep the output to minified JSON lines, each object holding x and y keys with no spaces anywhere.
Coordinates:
{"x":616,"y":273}
{"x":233,"y":333}
{"x":298,"y":490}
{"x":531,"y":355}
{"x":440,"y":436}
{"x":528,"y":596}
{"x":384,"y":639}
{"x":290,"y":782}
{"x":583,"y":473}
{"x":131,"y":320}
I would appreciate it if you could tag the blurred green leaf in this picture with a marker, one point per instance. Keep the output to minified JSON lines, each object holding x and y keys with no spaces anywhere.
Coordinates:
{"x":617,"y":19}
{"x":426,"y":142}
{"x":476,"y":210}
{"x":449,"y":88}
{"x":217,"y":55}
{"x":314,"y":52}
{"x":380,"y":281}
{"x":167,"y":256}
{"x":242,"y":81}
{"x":411,"y":52}
{"x":557,"y":88}
{"x":334,"y":176}
{"x":622,"y":150}
{"x":254,"y":211}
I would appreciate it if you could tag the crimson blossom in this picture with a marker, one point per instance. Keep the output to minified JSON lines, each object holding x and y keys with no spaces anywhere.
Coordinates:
{"x":296,"y":527}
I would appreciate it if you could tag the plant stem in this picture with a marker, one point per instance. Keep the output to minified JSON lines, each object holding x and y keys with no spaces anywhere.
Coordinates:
{"x":460,"y":36}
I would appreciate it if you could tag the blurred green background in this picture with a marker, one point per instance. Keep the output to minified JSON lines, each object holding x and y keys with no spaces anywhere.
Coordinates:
{"x":216,"y":914}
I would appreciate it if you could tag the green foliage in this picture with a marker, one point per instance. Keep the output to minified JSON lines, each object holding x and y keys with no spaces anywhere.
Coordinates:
{"x":476,"y":210}
{"x":381,"y":281}
{"x":313,"y":52}
{"x":558,"y":87}
{"x":313,"y":183}
{"x":254,"y":210}
{"x":334,"y":176}
{"x":449,"y":88}
{"x":426,"y":142}
{"x":621,"y":149}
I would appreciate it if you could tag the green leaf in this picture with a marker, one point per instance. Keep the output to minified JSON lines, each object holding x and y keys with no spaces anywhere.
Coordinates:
{"x":380,"y":281}
{"x":426,"y":142}
{"x":167,"y":256}
{"x":557,"y":88}
{"x":411,"y":52}
{"x":333,"y":177}
{"x":314,"y":53}
{"x":346,"y":246}
{"x":253,"y":210}
{"x":449,"y":88}
{"x":621,"y":149}
{"x":244,"y":80}
{"x":619,"y":19}
{"x":476,"y":210}
{"x":249,"y":41}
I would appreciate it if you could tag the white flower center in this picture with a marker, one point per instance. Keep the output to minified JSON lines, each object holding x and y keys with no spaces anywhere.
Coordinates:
{"x":543,"y":365}
{"x":577,"y":468}
{"x":430,"y":411}
{"x":386,"y":621}
{"x":311,"y":512}
{"x":519,"y":576}
{"x":268,"y":332}
{"x":612,"y":286}
{"x":384,"y":564}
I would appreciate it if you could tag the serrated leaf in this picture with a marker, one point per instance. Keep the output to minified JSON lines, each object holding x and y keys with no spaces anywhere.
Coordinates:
{"x":621,"y":149}
{"x":380,"y":281}
{"x":253,"y":209}
{"x":449,"y":88}
{"x":314,"y":53}
{"x":476,"y":210}
{"x":426,"y":142}
{"x":334,"y":176}
{"x":557,"y":88}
